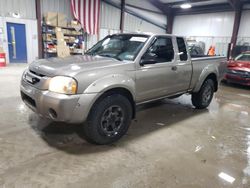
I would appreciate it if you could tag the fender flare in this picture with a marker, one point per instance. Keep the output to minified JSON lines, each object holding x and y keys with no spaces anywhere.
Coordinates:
{"x":111,"y":82}
{"x":208,"y":70}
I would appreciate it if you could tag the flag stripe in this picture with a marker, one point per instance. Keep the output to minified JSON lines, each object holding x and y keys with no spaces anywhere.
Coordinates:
{"x":87,"y":12}
{"x":89,"y":21}
{"x":98,"y":16}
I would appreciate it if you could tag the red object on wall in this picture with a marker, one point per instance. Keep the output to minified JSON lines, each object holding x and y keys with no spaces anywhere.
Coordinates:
{"x":2,"y":60}
{"x":87,"y":12}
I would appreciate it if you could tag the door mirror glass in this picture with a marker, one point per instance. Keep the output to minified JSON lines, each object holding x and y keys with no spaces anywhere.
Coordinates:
{"x":148,"y":58}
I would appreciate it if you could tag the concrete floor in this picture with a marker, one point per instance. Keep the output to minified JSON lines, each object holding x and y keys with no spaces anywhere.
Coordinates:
{"x":170,"y":145}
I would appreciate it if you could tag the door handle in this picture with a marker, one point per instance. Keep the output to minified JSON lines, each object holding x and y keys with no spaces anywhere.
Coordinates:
{"x":174,"y":68}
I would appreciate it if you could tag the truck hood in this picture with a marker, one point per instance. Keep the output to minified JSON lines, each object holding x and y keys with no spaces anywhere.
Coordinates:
{"x":72,"y":65}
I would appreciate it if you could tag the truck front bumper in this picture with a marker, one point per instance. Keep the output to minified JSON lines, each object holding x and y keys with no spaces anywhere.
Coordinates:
{"x":56,"y":106}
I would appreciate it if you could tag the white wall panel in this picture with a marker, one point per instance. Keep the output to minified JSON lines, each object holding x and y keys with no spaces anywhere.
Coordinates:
{"x":212,"y":29}
{"x":244,"y":30}
{"x":159,"y":19}
{"x":62,"y":6}
{"x":31,"y":37}
{"x":109,"y":16}
{"x":213,"y":24}
{"x":134,"y":24}
{"x":26,"y":8}
{"x":110,"y":24}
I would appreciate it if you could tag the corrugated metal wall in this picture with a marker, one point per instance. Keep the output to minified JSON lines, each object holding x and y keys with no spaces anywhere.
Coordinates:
{"x":26,"y":8}
{"x":134,"y":24}
{"x":213,"y":24}
{"x":212,"y":29}
{"x":244,"y":34}
{"x":62,"y":6}
{"x":110,"y":16}
{"x":110,"y":24}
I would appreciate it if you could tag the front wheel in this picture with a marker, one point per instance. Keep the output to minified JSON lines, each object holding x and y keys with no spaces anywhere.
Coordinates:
{"x":203,"y":98}
{"x":109,"y":119}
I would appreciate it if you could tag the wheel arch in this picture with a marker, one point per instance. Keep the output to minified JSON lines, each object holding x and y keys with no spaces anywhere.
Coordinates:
{"x":212,"y":76}
{"x":118,"y":90}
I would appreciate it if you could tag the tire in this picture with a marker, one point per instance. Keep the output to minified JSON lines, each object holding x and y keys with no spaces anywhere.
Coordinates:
{"x":109,"y":120}
{"x":203,"y":98}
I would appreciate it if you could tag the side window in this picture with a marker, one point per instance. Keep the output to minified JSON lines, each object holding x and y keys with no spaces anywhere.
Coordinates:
{"x":182,"y":49}
{"x":161,"y":50}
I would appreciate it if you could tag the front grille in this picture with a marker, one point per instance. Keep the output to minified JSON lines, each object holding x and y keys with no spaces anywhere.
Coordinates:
{"x":38,"y":74}
{"x":28,"y":99}
{"x":243,"y":74}
{"x":31,"y":78}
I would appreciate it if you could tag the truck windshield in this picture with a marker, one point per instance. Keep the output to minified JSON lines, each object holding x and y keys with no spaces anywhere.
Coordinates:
{"x":121,"y":47}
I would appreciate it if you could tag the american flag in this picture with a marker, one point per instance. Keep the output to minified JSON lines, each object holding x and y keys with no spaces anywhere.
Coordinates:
{"x":87,"y":12}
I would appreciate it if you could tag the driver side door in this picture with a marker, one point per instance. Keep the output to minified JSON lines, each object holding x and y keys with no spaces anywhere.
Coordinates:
{"x":157,"y":70}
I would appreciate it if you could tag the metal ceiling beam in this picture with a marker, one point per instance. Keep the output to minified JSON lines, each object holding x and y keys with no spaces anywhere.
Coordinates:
{"x":133,"y":13}
{"x":167,"y":11}
{"x":141,"y":8}
{"x":235,"y":4}
{"x":161,"y":6}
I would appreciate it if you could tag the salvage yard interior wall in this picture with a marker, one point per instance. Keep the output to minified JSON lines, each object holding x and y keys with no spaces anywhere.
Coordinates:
{"x":244,"y":30}
{"x":213,"y":29}
{"x":31,"y":36}
{"x":27,"y":13}
{"x":135,"y":24}
{"x":61,"y":6}
{"x":110,"y":24}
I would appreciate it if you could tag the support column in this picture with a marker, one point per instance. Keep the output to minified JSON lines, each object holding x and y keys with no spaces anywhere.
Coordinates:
{"x":39,"y":28}
{"x":122,"y":15}
{"x":236,"y":27}
{"x":170,"y":22}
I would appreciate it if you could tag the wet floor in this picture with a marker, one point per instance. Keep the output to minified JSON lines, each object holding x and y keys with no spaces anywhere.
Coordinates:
{"x":170,"y":145}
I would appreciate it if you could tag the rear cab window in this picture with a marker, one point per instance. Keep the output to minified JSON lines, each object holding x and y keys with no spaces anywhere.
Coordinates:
{"x":182,"y":49}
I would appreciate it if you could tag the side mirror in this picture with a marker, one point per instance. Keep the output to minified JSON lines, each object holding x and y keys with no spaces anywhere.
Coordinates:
{"x":147,"y":59}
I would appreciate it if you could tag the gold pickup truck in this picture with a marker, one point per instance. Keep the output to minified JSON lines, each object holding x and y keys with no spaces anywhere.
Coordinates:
{"x":102,"y":88}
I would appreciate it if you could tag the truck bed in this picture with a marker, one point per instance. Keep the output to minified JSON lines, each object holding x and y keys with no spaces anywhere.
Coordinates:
{"x":209,"y":62}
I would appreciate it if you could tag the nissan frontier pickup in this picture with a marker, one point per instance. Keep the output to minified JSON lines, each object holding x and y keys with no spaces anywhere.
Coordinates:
{"x":102,"y":88}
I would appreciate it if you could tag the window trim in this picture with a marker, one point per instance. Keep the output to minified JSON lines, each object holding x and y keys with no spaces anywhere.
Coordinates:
{"x":179,"y":56}
{"x":174,"y":50}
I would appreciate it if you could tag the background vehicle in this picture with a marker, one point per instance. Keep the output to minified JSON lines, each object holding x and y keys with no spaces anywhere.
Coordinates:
{"x":103,"y":87}
{"x":238,"y":70}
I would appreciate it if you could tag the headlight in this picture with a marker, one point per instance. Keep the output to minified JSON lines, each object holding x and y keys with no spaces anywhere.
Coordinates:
{"x":63,"y":84}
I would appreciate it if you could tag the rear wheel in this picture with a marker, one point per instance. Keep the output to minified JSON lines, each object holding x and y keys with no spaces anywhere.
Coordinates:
{"x":109,"y":119}
{"x":203,"y":98}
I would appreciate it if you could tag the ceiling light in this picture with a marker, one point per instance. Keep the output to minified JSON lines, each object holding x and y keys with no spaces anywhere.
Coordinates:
{"x":186,"y":6}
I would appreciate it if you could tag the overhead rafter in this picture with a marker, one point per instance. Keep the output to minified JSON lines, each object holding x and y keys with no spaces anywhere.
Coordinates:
{"x":133,"y":13}
{"x":235,"y":4}
{"x":167,"y":11}
{"x":161,"y":6}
